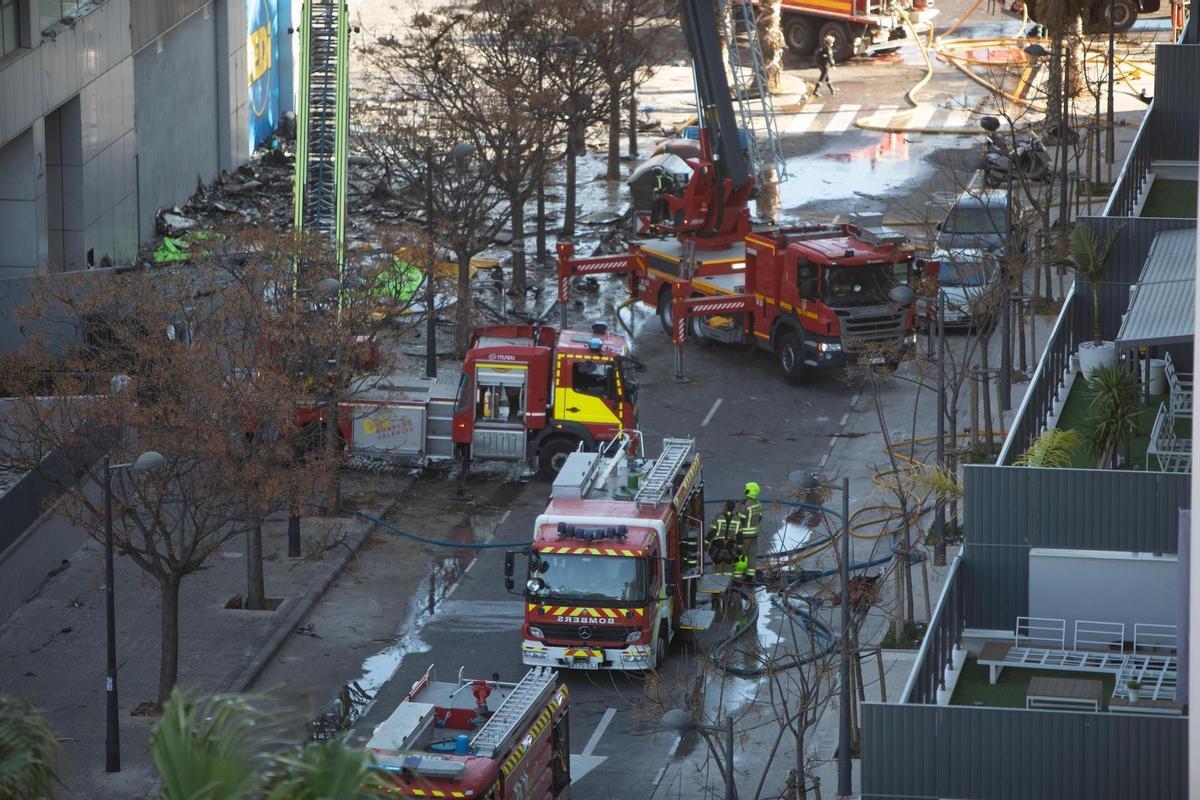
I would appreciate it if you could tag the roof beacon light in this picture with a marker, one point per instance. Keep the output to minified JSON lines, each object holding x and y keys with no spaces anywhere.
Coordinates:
{"x":595,"y":343}
{"x":599,"y":327}
{"x":591,"y":534}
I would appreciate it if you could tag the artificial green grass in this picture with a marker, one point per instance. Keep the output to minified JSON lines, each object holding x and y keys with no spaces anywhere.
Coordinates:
{"x":1010,"y":689}
{"x":1074,"y":417}
{"x":1173,"y":199}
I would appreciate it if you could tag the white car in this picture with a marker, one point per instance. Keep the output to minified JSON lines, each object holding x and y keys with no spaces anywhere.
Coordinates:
{"x":965,"y":278}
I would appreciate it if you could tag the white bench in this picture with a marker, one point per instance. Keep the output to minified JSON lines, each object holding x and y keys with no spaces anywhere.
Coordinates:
{"x":1180,"y":386}
{"x":1173,"y":454}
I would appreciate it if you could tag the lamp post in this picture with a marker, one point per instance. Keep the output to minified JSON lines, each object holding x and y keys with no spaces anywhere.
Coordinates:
{"x":991,"y":125}
{"x":939,"y":521}
{"x":679,"y":720}
{"x":112,"y":732}
{"x":807,"y":480}
{"x":460,"y":150}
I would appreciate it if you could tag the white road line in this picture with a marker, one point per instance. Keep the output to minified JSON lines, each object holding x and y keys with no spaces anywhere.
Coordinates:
{"x":921,"y":116}
{"x":958,"y":118}
{"x":486,"y":541}
{"x":708,"y":418}
{"x":600,"y":728}
{"x":845,"y":419}
{"x":658,"y":776}
{"x":854,"y":400}
{"x":843,"y":119}
{"x":801,"y":122}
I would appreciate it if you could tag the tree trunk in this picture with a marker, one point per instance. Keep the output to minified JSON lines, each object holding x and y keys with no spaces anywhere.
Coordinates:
{"x":614,"y":131}
{"x":168,"y":657}
{"x":633,"y":125}
{"x":768,"y":196}
{"x":568,"y":226}
{"x":333,"y":443}
{"x":256,"y":591}
{"x":988,"y":422}
{"x":770,"y":37}
{"x":463,"y":307}
{"x":517,"y":210}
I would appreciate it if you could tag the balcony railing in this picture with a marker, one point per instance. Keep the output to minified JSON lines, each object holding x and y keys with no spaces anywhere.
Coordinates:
{"x":941,"y":638}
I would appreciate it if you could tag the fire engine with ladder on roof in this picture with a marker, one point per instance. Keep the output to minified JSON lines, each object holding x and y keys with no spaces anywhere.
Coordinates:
{"x":444,"y":741}
{"x":616,"y":567}
{"x":813,"y":294}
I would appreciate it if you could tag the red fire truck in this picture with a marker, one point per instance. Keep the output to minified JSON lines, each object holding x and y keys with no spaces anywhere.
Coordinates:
{"x":616,"y":567}
{"x":811,"y":294}
{"x":525,"y":392}
{"x":858,"y":27}
{"x":444,"y":741}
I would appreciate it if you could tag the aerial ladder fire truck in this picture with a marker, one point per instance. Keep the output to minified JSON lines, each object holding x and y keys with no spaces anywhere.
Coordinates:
{"x":616,"y":568}
{"x":813,"y":294}
{"x":446,"y":741}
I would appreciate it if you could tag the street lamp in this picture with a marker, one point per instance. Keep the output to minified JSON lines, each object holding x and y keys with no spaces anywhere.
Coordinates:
{"x":805,"y":480}
{"x":991,"y":125}
{"x":459,"y":151}
{"x":679,"y":720}
{"x":112,"y":733}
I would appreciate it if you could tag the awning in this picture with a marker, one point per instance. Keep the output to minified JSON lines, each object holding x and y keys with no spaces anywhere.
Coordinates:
{"x":1161,"y":302}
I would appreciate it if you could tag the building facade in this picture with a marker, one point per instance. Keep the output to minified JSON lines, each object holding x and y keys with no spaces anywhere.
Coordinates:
{"x":114,"y":109}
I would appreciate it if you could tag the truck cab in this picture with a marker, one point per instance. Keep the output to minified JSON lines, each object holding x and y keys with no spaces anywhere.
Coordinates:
{"x":528,"y":391}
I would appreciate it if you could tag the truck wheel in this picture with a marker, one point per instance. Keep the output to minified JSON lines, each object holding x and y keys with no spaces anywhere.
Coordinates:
{"x":1124,"y":14}
{"x":664,"y":310}
{"x":843,"y":45}
{"x":553,"y":454}
{"x":790,"y":353}
{"x":660,"y":647}
{"x":799,"y":34}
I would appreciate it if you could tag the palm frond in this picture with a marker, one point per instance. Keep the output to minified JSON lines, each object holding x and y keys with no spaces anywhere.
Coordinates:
{"x":325,"y":771}
{"x":1054,"y":448}
{"x":939,"y":482}
{"x":1112,"y":414}
{"x":27,"y":751}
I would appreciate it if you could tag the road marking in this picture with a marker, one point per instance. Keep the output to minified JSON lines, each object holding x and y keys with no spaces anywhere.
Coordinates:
{"x":842,"y":119}
{"x":845,"y":419}
{"x":958,"y":118}
{"x":486,"y":541}
{"x":921,"y":115}
{"x":711,"y":411}
{"x":658,"y":776}
{"x":600,"y":728}
{"x":582,"y":765}
{"x":801,"y":122}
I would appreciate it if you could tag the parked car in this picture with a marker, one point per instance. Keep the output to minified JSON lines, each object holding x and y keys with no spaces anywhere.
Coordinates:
{"x":965,"y":277}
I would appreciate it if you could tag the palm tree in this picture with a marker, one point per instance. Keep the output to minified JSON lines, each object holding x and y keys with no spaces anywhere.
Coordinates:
{"x":1112,"y":415}
{"x":228,"y":748}
{"x":1088,"y":260}
{"x":27,"y":751}
{"x":1054,"y":448}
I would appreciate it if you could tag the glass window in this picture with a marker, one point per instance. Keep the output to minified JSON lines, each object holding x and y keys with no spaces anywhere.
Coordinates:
{"x":598,"y":380}
{"x":10,"y":21}
{"x":606,"y":578}
{"x":54,"y":10}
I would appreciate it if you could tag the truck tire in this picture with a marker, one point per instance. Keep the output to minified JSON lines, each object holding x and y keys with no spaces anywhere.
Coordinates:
{"x":790,"y":354}
{"x":843,"y":44}
{"x":799,"y":34}
{"x":1125,"y":13}
{"x":664,"y":310}
{"x":553,"y":454}
{"x":662,"y":644}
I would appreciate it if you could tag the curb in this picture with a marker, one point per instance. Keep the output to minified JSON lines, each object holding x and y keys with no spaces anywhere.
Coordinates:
{"x":300,"y":610}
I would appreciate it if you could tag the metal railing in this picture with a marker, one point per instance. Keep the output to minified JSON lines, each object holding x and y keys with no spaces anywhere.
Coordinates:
{"x":1134,"y":171}
{"x":941,"y":637}
{"x":1046,"y":385}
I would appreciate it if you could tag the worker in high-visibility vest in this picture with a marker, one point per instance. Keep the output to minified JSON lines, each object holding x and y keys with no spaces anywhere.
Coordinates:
{"x":749,"y":519}
{"x":722,"y":538}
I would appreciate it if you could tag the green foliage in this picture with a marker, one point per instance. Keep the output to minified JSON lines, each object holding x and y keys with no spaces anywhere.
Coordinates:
{"x":227,"y":748}
{"x":27,"y":751}
{"x":1054,"y":448}
{"x":1114,"y":410}
{"x":1089,"y":260}
{"x":939,"y":482}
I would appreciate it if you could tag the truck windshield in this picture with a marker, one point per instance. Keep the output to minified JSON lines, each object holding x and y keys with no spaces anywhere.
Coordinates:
{"x":866,"y":285}
{"x":579,"y":577}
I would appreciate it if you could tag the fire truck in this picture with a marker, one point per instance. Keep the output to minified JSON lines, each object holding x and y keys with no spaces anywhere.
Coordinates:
{"x":616,"y":567}
{"x":858,"y":27}
{"x":526,"y":392}
{"x":444,"y":741}
{"x":811,"y":294}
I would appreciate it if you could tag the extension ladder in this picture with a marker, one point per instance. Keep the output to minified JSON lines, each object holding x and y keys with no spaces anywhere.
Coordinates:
{"x":757,"y":119}
{"x":658,"y":481}
{"x":489,"y":739}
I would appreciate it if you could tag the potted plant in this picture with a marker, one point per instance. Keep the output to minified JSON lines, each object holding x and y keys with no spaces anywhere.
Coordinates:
{"x":1054,"y":448}
{"x":1112,"y":416}
{"x":1088,"y":260}
{"x":1131,"y":689}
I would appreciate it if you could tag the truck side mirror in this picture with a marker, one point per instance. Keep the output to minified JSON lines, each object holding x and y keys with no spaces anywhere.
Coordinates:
{"x":509,"y":557}
{"x":808,"y":287}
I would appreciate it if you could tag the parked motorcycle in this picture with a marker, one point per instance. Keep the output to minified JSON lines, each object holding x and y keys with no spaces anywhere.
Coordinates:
{"x":1025,"y":148}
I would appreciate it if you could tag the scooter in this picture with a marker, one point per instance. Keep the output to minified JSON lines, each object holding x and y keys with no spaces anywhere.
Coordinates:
{"x":1032,"y":160}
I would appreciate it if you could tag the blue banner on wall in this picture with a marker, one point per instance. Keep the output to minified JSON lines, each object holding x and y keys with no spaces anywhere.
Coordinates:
{"x":262,"y":65}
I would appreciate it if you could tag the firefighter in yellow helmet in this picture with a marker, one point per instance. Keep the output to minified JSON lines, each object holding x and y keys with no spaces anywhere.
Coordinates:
{"x":749,"y":519}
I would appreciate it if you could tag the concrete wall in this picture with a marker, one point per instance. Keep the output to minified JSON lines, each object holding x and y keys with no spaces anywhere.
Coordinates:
{"x":177,"y":133}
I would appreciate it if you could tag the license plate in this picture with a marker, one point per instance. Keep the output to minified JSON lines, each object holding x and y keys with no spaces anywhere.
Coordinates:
{"x":877,"y":360}
{"x":583,"y":663}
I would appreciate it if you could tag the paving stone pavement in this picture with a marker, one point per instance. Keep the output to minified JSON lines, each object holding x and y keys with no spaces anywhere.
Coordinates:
{"x":52,"y":649}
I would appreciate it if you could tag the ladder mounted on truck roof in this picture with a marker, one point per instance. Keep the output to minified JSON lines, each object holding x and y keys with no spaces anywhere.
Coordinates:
{"x":662,"y":472}
{"x":507,"y":719}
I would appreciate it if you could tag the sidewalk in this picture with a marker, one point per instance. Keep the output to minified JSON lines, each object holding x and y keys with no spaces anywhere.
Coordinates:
{"x":52,"y":650}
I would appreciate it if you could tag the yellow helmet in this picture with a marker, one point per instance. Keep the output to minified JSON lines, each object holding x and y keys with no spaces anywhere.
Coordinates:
{"x":752,"y":490}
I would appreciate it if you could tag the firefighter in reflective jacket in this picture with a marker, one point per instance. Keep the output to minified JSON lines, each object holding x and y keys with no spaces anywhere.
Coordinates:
{"x":723,"y":538}
{"x":749,"y":519}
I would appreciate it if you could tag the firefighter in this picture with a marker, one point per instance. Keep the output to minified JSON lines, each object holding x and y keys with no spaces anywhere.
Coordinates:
{"x":825,"y":63}
{"x":664,"y":185}
{"x":749,"y":518}
{"x":722,"y":538}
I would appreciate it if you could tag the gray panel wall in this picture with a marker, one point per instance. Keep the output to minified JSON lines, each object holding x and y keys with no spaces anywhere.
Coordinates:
{"x":968,"y":753}
{"x":1011,"y":509}
{"x":23,"y":199}
{"x":1176,"y":112}
{"x":152,"y":18}
{"x":1103,"y":587}
{"x":176,"y":134}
